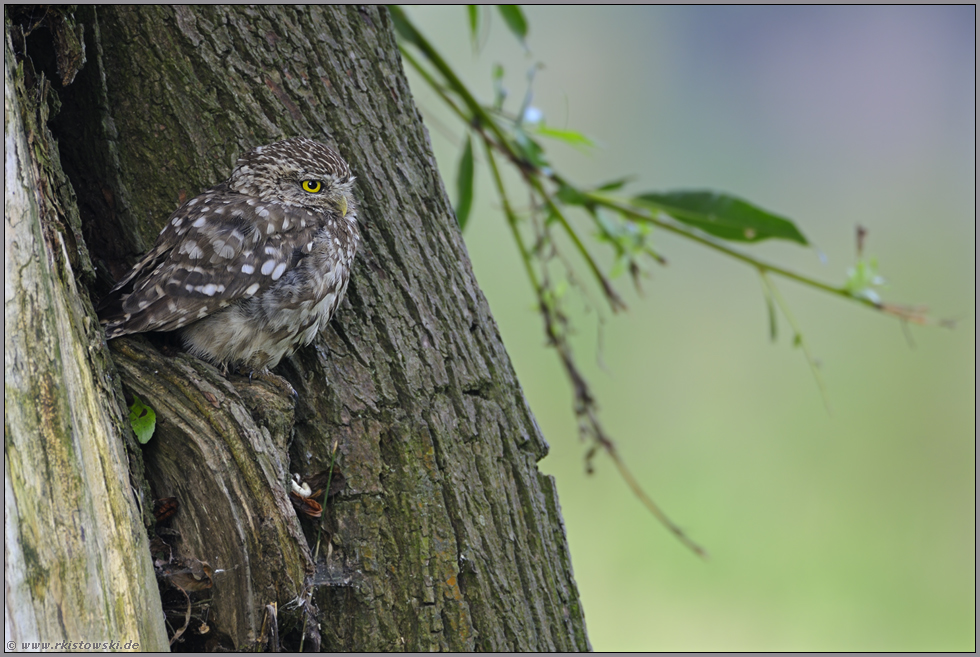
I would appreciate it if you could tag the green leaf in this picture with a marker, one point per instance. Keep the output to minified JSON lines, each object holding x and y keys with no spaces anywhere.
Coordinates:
{"x":474,"y":16}
{"x":515,"y":20}
{"x":531,"y":150}
{"x":568,"y":136}
{"x":723,"y":216}
{"x":499,"y":92}
{"x":570,"y":195}
{"x":464,"y":185}
{"x":143,"y":419}
{"x":613,"y":185}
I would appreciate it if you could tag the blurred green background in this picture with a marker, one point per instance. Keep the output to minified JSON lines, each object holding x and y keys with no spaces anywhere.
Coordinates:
{"x":849,"y":530}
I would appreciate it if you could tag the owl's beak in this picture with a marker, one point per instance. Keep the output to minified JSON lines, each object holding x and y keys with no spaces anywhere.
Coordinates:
{"x":342,"y":206}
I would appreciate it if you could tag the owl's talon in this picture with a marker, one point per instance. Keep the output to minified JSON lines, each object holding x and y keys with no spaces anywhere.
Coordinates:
{"x":275,"y":381}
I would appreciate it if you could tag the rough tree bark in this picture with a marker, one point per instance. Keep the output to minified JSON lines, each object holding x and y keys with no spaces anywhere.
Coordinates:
{"x":443,"y":535}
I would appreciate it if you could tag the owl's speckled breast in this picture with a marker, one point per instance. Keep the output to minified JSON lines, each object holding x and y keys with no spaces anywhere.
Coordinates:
{"x":252,"y":268}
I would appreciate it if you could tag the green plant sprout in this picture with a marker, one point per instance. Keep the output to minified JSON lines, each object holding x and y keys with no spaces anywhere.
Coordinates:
{"x":142,"y":419}
{"x":624,"y":224}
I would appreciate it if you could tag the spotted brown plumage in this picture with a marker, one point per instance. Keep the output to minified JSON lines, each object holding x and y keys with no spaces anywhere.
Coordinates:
{"x":252,"y":268}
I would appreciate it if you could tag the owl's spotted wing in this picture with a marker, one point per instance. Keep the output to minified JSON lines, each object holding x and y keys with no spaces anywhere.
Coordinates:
{"x":216,"y":249}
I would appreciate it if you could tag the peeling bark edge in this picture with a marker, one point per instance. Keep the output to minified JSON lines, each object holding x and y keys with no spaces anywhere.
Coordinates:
{"x":76,"y":555}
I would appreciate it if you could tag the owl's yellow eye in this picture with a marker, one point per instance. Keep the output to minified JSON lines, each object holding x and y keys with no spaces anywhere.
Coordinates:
{"x":312,"y":186}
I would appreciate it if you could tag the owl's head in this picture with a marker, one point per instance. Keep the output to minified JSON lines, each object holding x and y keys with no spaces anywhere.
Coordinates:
{"x":298,"y":172}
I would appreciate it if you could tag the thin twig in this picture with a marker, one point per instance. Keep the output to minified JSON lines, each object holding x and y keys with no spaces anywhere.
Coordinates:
{"x":653,"y":507}
{"x":187,"y":617}
{"x":585,"y":405}
{"x":490,"y":126}
{"x":798,"y":338}
{"x":480,"y":120}
{"x":615,"y":301}
{"x":326,"y":494}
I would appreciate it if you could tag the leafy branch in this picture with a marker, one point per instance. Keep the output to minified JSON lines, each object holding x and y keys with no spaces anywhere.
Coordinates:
{"x":625,"y":224}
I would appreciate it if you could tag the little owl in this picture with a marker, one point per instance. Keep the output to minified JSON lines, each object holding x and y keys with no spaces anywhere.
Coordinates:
{"x":252,"y":268}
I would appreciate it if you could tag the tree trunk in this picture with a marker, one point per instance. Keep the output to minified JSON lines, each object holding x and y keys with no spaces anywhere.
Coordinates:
{"x":76,"y":560}
{"x":439,"y":532}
